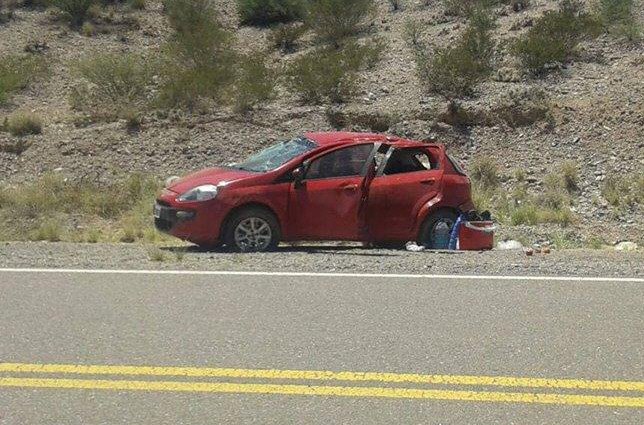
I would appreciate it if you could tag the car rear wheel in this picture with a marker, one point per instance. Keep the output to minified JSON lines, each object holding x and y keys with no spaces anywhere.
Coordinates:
{"x":429,"y":232}
{"x":252,"y":230}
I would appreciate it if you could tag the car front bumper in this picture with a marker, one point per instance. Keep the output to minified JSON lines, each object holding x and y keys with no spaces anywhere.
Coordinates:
{"x":166,"y":217}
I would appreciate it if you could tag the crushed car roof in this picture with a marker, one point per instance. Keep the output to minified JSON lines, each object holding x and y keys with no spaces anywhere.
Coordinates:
{"x":336,"y":137}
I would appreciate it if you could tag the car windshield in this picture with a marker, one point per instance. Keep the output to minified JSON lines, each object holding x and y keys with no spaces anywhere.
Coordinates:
{"x":277,"y":155}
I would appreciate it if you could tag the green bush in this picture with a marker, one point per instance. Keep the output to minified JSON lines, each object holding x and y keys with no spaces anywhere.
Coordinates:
{"x":617,"y":16}
{"x":554,"y":36}
{"x":201,"y":62}
{"x":75,"y":10}
{"x":335,"y":20}
{"x":17,"y":72}
{"x":254,"y":82}
{"x":329,"y":74}
{"x":616,"y":11}
{"x":137,"y":4}
{"x":454,"y":71}
{"x":264,"y":12}
{"x":24,"y":124}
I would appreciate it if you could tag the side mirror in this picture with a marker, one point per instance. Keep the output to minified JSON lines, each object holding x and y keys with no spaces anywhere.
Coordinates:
{"x":298,"y":176}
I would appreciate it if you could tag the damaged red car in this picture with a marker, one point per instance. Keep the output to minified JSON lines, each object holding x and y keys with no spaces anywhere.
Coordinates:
{"x":336,"y":186}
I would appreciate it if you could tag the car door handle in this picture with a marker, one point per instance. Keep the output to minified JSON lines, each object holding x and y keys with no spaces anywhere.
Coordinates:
{"x":428,"y":181}
{"x":350,"y":187}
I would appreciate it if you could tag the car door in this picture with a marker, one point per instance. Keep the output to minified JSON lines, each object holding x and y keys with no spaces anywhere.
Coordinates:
{"x":325,"y":205}
{"x":408,"y":179}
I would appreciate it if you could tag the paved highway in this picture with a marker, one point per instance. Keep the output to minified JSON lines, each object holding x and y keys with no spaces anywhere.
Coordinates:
{"x":159,"y":348}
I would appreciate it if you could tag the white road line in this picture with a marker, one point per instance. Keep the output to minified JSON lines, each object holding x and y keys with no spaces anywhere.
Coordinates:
{"x":312,"y":274}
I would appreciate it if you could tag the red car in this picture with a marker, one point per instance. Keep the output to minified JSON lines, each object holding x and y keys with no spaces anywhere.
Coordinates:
{"x":372,"y":188}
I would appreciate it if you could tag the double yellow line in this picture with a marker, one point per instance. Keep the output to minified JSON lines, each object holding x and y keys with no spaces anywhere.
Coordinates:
{"x":635,"y":398}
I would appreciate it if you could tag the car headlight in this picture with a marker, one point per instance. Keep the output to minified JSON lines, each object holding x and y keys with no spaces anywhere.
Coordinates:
{"x":199,"y":193}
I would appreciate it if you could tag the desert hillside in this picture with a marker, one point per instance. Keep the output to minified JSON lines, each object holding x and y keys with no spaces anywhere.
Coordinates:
{"x":556,"y":153}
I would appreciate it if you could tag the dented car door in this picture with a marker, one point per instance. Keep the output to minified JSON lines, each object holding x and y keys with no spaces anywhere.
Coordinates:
{"x":325,"y":205}
{"x":407,"y":179}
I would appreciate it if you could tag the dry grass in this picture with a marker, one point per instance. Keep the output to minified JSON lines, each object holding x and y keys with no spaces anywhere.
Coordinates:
{"x":53,"y":208}
{"x":516,"y":205}
{"x":623,"y":191}
{"x":17,"y":72}
{"x":113,"y":84}
{"x":24,"y":124}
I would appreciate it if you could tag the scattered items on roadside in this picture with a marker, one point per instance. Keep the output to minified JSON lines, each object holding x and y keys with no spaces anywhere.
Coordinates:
{"x":473,"y":231}
{"x":413,"y":247}
{"x":509,"y":245}
{"x":528,"y":251}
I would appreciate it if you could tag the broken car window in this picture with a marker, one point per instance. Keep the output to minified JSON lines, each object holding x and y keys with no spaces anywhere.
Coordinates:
{"x":408,"y":161}
{"x":341,"y":163}
{"x":277,"y":155}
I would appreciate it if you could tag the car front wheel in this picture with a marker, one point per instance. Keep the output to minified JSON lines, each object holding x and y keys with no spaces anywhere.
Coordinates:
{"x":252,"y":230}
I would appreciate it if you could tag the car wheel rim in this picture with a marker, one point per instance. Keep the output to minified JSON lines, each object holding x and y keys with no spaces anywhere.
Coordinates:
{"x":253,"y":234}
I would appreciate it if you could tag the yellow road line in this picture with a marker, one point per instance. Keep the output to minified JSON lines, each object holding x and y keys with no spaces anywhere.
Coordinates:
{"x":338,"y":391}
{"x":325,"y":376}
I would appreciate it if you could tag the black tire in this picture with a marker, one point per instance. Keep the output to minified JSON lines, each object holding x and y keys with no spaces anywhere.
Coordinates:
{"x":425,"y":236}
{"x":261,"y":215}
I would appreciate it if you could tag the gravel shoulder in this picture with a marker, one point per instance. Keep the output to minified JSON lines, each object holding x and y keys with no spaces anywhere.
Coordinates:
{"x":322,"y":258}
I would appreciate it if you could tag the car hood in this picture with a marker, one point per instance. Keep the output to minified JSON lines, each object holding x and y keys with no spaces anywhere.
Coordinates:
{"x":213,"y":176}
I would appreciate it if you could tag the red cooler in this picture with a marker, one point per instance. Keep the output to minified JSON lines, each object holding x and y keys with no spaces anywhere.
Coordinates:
{"x":476,"y":235}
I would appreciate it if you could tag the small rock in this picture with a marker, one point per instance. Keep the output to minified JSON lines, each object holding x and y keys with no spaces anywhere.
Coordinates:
{"x":626,"y":246}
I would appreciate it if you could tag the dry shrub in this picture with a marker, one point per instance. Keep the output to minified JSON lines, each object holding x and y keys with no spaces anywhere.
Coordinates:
{"x":335,"y":20}
{"x":24,"y":124}
{"x":17,"y":72}
{"x":484,"y":171}
{"x":285,"y":36}
{"x":113,"y":84}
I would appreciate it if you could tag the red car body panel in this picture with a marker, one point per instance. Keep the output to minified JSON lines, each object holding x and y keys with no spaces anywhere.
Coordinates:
{"x":365,"y":207}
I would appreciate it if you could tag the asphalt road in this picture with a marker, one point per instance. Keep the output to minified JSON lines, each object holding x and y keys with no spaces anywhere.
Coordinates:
{"x":268,"y":349}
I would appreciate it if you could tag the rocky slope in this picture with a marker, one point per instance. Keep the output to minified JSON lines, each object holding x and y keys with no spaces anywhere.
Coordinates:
{"x":595,"y":109}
